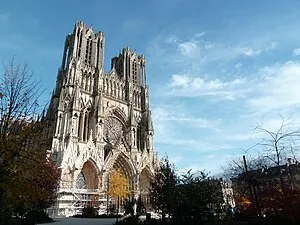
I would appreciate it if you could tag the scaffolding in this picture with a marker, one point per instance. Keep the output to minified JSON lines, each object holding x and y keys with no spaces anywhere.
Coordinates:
{"x":70,"y":201}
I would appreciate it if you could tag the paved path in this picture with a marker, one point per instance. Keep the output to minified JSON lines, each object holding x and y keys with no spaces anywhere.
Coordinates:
{"x":81,"y":221}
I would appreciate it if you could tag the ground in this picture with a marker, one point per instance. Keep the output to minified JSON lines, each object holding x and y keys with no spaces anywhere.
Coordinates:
{"x":82,"y":221}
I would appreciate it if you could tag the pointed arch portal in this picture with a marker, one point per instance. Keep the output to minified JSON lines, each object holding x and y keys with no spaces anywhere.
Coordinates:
{"x":88,"y":177}
{"x":123,"y":164}
{"x":145,"y":186}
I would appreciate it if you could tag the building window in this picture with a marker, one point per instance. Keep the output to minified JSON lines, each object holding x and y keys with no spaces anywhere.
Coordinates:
{"x":88,"y":51}
{"x":79,"y":36}
{"x":134,"y":72}
{"x":80,"y":182}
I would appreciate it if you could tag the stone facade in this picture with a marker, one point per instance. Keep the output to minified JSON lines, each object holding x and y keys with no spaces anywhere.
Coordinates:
{"x":99,"y":121}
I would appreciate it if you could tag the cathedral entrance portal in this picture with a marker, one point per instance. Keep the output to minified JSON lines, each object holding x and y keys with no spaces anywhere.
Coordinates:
{"x":145,"y":185}
{"x":88,"y":177}
{"x":123,"y":164}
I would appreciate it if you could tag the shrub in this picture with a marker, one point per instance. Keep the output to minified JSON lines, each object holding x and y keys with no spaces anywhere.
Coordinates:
{"x":89,"y":212}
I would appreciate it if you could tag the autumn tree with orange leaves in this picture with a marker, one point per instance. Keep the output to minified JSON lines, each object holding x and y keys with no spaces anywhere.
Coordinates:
{"x":118,"y":187}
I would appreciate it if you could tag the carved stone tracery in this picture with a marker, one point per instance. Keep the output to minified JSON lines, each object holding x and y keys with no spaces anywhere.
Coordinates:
{"x":113,"y":131}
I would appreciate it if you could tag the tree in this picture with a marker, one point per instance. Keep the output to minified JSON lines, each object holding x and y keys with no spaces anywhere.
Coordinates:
{"x":280,"y":144}
{"x":28,"y":179}
{"x":277,"y":146}
{"x":118,"y":187}
{"x":267,"y":181}
{"x":163,"y":188}
{"x":199,"y":199}
{"x":191,"y":198}
{"x":274,"y":149}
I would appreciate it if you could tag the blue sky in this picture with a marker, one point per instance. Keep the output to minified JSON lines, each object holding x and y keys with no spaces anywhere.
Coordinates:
{"x":215,"y":68}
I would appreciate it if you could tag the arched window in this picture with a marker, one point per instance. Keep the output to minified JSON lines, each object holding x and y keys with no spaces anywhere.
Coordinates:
{"x":111,"y":88}
{"x":85,"y":127}
{"x":107,"y":86}
{"x":83,"y":81}
{"x":104,"y":86}
{"x":133,"y":98}
{"x":88,"y":51}
{"x":80,"y":181}
{"x":115,"y":87}
{"x":80,"y":127}
{"x":91,"y":82}
{"x":79,"y":36}
{"x":87,"y":82}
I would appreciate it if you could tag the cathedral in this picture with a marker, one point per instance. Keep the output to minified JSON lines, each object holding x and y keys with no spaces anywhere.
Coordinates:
{"x":99,"y":122}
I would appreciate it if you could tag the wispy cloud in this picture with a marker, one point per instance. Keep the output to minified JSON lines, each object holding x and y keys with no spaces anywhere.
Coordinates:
{"x":189,"y":86}
{"x":188,"y":48}
{"x":198,"y":49}
{"x":274,"y":87}
{"x":170,"y":123}
{"x":273,"y":45}
{"x":250,"y":51}
{"x":170,"y":114}
{"x":296,"y":51}
{"x":278,"y":88}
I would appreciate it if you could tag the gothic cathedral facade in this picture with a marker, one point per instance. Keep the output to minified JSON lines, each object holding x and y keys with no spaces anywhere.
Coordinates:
{"x":99,"y":122}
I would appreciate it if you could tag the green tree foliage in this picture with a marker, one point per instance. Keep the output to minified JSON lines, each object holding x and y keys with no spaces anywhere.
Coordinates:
{"x":163,"y":188}
{"x":28,"y":179}
{"x":199,"y":199}
{"x":187,"y":199}
{"x":89,"y":212}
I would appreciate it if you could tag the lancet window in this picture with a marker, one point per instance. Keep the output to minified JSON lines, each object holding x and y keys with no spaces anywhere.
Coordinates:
{"x":88,"y":51}
{"x":80,"y":181}
{"x":84,"y":126}
{"x":134,"y":72}
{"x":79,"y":36}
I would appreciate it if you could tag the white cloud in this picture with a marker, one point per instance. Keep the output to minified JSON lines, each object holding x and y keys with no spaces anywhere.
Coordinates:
{"x":195,"y":50}
{"x":271,"y":88}
{"x":171,"y":39}
{"x":188,"y":48}
{"x":199,"y":35}
{"x":188,"y":86}
{"x":279,"y":88}
{"x":273,"y":45}
{"x":238,"y":66}
{"x":172,"y":125}
{"x":163,"y":114}
{"x":207,"y":71}
{"x":250,"y":51}
{"x":296,"y":51}
{"x":180,"y":80}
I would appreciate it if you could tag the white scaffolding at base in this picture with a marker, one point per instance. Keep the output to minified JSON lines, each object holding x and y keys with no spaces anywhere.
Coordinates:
{"x":71,"y":201}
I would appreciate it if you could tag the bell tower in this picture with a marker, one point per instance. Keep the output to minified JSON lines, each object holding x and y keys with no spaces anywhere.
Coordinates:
{"x":85,"y":46}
